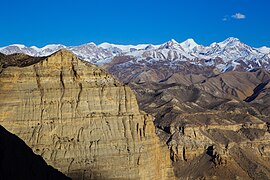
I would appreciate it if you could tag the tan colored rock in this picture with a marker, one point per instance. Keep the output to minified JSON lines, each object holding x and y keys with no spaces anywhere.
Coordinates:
{"x":81,"y":120}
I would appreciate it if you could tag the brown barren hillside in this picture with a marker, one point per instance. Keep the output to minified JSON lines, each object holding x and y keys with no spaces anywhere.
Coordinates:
{"x":216,"y":125}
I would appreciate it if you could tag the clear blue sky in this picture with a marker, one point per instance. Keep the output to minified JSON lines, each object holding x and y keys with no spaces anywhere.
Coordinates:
{"x":74,"y":22}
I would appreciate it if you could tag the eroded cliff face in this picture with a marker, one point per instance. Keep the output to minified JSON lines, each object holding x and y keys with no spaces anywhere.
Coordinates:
{"x":81,"y":120}
{"x":209,"y":136}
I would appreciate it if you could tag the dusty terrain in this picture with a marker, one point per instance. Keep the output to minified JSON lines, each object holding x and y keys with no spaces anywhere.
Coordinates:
{"x":215,"y":124}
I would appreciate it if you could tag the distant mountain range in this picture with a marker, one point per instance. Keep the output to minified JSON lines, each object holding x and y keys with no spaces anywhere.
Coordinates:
{"x":230,"y":54}
{"x":212,"y":117}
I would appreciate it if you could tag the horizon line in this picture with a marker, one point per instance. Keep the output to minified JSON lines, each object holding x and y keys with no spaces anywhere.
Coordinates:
{"x":106,"y":42}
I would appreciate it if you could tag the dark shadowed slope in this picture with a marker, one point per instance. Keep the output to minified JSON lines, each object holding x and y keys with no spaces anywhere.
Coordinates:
{"x":17,"y":160}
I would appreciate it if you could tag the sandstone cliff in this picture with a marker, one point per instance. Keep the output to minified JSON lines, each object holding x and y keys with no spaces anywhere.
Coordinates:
{"x":79,"y":119}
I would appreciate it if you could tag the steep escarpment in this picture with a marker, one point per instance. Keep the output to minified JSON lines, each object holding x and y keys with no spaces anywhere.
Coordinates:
{"x":80,"y":120}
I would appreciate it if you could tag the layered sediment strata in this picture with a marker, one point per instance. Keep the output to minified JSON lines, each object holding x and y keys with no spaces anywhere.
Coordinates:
{"x":81,"y":120}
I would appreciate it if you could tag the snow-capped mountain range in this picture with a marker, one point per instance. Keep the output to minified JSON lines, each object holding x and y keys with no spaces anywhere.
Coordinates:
{"x":226,"y":55}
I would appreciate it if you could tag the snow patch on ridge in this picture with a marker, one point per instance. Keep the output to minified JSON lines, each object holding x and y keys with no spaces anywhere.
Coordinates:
{"x":229,"y":52}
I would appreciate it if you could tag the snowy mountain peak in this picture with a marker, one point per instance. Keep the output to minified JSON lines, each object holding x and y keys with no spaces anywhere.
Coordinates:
{"x":228,"y":53}
{"x":214,"y":44}
{"x":189,"y":45}
{"x":191,"y":41}
{"x":173,"y":41}
{"x":35,"y":48}
{"x":117,"y":48}
{"x":149,"y":47}
{"x":172,"y":44}
{"x":53,"y":46}
{"x":19,"y":45}
{"x":17,"y":48}
{"x":264,"y":49}
{"x":230,"y":40}
{"x":91,"y":44}
{"x":105,"y":45}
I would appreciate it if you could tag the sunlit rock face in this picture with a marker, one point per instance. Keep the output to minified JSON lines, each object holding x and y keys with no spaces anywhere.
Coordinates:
{"x":79,"y":119}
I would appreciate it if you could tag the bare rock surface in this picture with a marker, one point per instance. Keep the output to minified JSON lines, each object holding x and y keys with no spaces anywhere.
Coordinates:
{"x":217,"y":128}
{"x":80,"y":119}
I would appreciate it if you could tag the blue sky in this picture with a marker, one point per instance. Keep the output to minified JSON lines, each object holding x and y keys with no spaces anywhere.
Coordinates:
{"x":74,"y":22}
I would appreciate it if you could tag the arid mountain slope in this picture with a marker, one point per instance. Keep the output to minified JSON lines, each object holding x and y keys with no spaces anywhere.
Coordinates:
{"x":122,"y":68}
{"x":208,"y":124}
{"x":80,"y":119}
{"x":88,"y":125}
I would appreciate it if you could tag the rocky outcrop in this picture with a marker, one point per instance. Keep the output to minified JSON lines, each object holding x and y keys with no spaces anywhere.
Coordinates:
{"x":81,"y":120}
{"x":209,"y":128}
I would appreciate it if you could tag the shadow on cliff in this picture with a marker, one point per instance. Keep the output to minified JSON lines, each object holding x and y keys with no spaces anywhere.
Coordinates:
{"x":17,"y":160}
